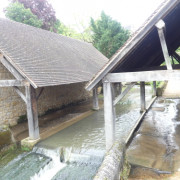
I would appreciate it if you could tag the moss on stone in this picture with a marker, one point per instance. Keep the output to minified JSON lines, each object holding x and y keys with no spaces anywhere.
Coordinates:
{"x":9,"y":154}
{"x":124,"y":174}
{"x":5,"y":137}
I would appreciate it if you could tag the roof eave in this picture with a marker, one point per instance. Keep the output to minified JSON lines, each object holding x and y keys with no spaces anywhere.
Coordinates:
{"x":18,"y":69}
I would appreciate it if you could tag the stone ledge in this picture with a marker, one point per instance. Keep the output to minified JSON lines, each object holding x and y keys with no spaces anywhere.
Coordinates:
{"x":29,"y":143}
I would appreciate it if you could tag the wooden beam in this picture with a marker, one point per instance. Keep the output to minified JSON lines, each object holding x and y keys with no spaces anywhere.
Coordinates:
{"x":147,"y":76}
{"x":175,"y":66}
{"x":95,"y":99}
{"x":142,"y":96}
{"x":39,"y":95}
{"x":176,"y":56}
{"x":118,"y":98}
{"x":108,"y":115}
{"x":138,"y":122}
{"x":10,"y":68}
{"x":9,"y":83}
{"x":160,"y":26}
{"x":32,"y":112}
{"x":154,"y":89}
{"x":18,"y":91}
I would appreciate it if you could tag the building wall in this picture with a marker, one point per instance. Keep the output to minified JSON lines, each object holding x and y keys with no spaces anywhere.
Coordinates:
{"x":12,"y":106}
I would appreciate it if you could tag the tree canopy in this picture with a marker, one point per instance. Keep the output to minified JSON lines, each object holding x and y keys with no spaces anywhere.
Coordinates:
{"x":108,"y":35}
{"x":44,"y":12}
{"x":17,"y":12}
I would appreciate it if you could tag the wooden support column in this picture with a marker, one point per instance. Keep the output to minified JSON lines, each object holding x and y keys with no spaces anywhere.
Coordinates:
{"x":95,"y":100}
{"x":154,"y":89}
{"x":109,"y":115}
{"x":161,"y":26}
{"x":32,"y":113}
{"x":142,"y":95}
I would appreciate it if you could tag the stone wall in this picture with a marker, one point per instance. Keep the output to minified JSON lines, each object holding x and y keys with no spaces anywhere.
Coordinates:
{"x":12,"y":106}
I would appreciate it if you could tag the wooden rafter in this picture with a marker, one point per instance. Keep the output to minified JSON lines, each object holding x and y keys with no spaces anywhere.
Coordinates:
{"x":176,"y":56}
{"x":10,"y":68}
{"x":161,"y":26}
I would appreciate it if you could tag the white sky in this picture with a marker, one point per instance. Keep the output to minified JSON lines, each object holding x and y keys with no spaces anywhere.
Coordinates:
{"x":76,"y":12}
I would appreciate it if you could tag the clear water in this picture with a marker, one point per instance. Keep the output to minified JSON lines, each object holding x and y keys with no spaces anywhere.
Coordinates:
{"x":77,"y":151}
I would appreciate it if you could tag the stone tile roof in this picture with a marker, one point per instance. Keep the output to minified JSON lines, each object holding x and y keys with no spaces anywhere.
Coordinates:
{"x":46,"y":58}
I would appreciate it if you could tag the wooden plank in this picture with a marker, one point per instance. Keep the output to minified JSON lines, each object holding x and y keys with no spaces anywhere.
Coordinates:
{"x":95,"y":99}
{"x":142,"y":96}
{"x":32,"y":112}
{"x":154,"y":89}
{"x":118,"y":98}
{"x":9,"y":83}
{"x":10,"y":68}
{"x":160,"y":26}
{"x":138,"y":122}
{"x":175,"y":66}
{"x":39,"y":95}
{"x":147,"y":76}
{"x":18,"y":91}
{"x":176,"y":56}
{"x":129,"y":47}
{"x":108,"y":115}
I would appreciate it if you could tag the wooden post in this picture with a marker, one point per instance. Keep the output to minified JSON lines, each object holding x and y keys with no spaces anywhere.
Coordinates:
{"x":117,"y":89}
{"x":160,"y":26}
{"x":95,"y":100}
{"x":142,"y":94}
{"x":32,"y":113}
{"x":154,"y":89}
{"x":108,"y":115}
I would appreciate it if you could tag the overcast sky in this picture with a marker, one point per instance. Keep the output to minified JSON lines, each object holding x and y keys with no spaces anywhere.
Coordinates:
{"x":73,"y":12}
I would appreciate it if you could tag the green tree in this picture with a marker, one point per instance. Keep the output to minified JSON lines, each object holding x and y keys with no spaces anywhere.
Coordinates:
{"x":17,"y":12}
{"x":43,"y":10}
{"x":108,"y":35}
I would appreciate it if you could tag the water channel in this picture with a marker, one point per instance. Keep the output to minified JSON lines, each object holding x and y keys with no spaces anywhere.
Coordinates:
{"x":76,"y":152}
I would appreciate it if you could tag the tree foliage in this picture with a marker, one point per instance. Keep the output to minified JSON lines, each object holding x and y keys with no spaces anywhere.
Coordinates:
{"x":43,"y":10}
{"x":108,"y":35}
{"x":17,"y":12}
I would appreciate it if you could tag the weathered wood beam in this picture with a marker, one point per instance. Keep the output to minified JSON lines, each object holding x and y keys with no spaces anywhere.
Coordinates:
{"x":108,"y":115}
{"x":138,"y":122}
{"x":9,"y":83}
{"x":147,"y":76}
{"x":18,"y":91}
{"x":142,"y":96}
{"x":160,"y":26}
{"x":10,"y":68}
{"x":176,"y":56}
{"x":154,"y":89}
{"x":95,"y":99}
{"x":32,"y":112}
{"x":118,"y":98}
{"x":39,"y":95}
{"x":175,"y":66}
